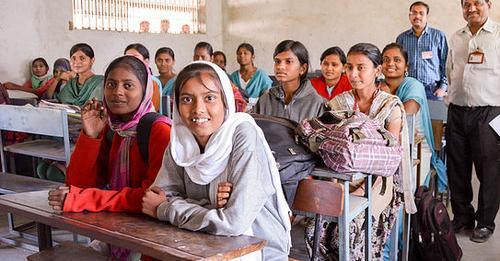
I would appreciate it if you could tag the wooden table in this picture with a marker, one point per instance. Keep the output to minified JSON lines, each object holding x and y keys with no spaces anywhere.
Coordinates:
{"x":133,"y":231}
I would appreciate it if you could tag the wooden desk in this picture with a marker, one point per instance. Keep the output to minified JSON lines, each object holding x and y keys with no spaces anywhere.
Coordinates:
{"x":133,"y":231}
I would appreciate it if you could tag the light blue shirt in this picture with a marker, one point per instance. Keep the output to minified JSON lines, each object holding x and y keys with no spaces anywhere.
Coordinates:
{"x":427,"y":58}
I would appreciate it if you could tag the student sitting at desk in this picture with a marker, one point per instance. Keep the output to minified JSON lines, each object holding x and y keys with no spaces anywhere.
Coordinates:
{"x":412,"y":94}
{"x":363,"y":67}
{"x":53,"y":86}
{"x":82,"y":84}
{"x":294,"y":97}
{"x":250,"y":80}
{"x":141,"y":52}
{"x":211,"y":143}
{"x":39,"y":76}
{"x":113,"y":177}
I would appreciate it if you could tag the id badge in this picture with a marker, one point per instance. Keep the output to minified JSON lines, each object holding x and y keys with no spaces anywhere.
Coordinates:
{"x":476,"y":57}
{"x":427,"y":55}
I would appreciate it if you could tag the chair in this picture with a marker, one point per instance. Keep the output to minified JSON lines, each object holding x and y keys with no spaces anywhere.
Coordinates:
{"x":41,"y":121}
{"x":323,"y":199}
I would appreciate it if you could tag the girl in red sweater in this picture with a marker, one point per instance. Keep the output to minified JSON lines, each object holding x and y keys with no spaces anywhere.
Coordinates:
{"x":113,"y":177}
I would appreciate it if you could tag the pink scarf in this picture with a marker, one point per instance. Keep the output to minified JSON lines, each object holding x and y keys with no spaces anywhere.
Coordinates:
{"x":120,"y":177}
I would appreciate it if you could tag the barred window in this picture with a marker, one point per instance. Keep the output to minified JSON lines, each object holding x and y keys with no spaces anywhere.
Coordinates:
{"x":153,"y":16}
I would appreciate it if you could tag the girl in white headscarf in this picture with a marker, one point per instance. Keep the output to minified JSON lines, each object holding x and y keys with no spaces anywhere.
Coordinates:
{"x":210,"y":143}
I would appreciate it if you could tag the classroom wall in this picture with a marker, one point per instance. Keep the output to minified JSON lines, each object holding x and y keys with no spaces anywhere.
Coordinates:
{"x":322,"y":24}
{"x":41,"y":29}
{"x":33,"y":28}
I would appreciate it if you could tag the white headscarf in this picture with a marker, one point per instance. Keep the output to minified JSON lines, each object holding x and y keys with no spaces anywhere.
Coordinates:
{"x":202,"y":168}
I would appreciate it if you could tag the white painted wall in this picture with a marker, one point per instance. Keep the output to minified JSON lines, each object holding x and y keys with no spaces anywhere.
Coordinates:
{"x":33,"y":28}
{"x":320,"y":24}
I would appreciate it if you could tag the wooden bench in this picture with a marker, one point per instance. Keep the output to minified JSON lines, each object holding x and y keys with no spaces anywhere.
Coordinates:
{"x":67,"y":251}
{"x":12,"y":184}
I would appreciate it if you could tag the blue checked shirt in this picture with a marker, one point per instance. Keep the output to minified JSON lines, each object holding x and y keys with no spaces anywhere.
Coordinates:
{"x":429,"y":68}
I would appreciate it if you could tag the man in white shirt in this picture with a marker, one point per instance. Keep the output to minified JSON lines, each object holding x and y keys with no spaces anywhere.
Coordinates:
{"x":474,"y":96}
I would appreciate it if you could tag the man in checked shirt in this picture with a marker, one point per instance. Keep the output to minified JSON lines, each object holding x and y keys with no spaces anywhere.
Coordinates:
{"x":427,"y":50}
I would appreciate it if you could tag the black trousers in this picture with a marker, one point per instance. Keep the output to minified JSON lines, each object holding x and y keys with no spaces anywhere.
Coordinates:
{"x":470,"y":139}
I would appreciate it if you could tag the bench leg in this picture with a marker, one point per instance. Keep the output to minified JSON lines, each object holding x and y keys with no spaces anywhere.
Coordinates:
{"x":44,"y":236}
{"x":317,"y":228}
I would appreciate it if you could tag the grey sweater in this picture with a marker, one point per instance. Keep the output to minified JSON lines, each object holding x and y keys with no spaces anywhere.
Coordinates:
{"x":252,"y":204}
{"x":306,"y":103}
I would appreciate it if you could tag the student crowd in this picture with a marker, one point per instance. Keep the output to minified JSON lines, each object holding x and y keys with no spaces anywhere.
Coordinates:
{"x":204,"y":164}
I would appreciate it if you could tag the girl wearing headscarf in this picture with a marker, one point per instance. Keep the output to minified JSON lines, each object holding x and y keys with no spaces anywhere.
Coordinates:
{"x":54,"y":84}
{"x":113,"y":177}
{"x":39,"y":76}
{"x":211,"y":143}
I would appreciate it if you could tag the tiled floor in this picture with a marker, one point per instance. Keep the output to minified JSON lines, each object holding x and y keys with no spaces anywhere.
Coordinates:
{"x":489,"y":251}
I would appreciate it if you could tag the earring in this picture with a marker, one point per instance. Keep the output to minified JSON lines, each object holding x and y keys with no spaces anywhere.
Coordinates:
{"x":406,"y":73}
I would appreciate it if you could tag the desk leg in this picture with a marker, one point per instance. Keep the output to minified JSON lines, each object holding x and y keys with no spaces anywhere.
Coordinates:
{"x":368,"y":218}
{"x":44,"y":236}
{"x":344,"y":249}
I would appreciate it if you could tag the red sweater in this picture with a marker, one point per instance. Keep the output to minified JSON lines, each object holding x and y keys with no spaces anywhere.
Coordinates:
{"x":90,"y":169}
{"x":320,"y":86}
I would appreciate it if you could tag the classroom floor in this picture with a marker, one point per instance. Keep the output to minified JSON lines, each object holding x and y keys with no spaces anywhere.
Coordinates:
{"x":489,"y":251}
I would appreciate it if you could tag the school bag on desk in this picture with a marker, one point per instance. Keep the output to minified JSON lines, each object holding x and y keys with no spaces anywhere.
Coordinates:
{"x":295,"y":161}
{"x":350,"y":141}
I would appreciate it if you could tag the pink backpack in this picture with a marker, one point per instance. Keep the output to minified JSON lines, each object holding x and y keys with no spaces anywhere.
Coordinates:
{"x":349,"y":141}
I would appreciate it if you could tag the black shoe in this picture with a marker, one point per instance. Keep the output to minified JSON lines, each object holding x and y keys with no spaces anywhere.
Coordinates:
{"x":460,"y":226}
{"x":481,"y":234}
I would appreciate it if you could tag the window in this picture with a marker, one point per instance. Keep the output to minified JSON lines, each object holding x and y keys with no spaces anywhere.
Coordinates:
{"x":153,"y":16}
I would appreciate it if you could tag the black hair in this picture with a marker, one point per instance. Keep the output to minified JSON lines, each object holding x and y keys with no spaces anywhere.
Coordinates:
{"x":139,"y":48}
{"x":422,"y":4}
{"x":369,"y":50}
{"x":205,"y":45}
{"x":134,"y":65}
{"x":40,"y":59}
{"x":299,"y":50}
{"x":195,"y":70}
{"x":399,"y":47}
{"x":223,"y":55}
{"x":85,"y":48}
{"x":247,"y":46}
{"x":166,"y":50}
{"x":335,"y":51}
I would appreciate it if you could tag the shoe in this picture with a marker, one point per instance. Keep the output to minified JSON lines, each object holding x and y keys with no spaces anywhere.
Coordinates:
{"x":481,"y":234}
{"x":460,"y":226}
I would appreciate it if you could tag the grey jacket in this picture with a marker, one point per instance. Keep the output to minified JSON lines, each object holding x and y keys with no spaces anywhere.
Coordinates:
{"x":252,"y":204}
{"x":306,"y":103}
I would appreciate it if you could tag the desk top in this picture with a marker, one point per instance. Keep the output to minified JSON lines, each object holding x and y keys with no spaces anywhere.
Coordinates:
{"x":134,"y":231}
{"x":323,"y":171}
{"x":18,"y":94}
{"x":12,"y":183}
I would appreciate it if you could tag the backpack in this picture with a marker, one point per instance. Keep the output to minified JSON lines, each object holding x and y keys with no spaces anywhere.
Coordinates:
{"x":295,"y":161}
{"x":349,"y":141}
{"x":431,"y":234}
{"x":143,"y":132}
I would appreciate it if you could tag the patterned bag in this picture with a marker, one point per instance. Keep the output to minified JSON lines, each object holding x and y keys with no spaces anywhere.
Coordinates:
{"x":349,"y":141}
